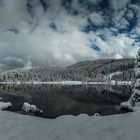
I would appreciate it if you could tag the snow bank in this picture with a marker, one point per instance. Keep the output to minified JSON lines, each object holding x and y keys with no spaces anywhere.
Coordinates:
{"x":83,"y":127}
{"x":127,"y":105}
{"x":134,"y":102}
{"x":5,"y":105}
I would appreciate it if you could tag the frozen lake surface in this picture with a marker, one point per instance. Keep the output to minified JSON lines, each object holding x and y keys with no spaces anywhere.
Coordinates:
{"x":57,"y":100}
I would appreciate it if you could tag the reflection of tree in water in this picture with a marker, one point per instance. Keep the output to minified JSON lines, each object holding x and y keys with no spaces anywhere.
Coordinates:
{"x":126,"y":90}
{"x":56,"y":100}
{"x":87,"y":93}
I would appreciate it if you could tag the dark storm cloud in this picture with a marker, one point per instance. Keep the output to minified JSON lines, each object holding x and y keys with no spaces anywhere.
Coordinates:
{"x":62,"y":32}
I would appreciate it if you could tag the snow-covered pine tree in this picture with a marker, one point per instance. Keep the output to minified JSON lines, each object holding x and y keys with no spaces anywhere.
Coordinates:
{"x":135,"y":97}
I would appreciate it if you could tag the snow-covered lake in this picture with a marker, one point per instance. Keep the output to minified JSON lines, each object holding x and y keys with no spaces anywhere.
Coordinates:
{"x":57,"y":100}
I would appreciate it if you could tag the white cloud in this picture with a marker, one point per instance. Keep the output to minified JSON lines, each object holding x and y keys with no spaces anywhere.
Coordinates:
{"x":94,"y":1}
{"x":97,"y":19}
{"x":12,"y":12}
{"x":28,"y":65}
{"x":118,"y":56}
{"x":116,"y":45}
{"x":118,"y":4}
{"x":38,"y":44}
{"x":130,"y":14}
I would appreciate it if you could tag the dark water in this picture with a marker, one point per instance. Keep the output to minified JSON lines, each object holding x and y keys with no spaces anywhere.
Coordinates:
{"x":56,"y":100}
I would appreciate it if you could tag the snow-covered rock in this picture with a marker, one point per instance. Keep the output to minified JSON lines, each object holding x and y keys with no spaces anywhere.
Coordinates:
{"x":33,"y":108}
{"x":96,"y":114}
{"x":29,"y":108}
{"x":5,"y":105}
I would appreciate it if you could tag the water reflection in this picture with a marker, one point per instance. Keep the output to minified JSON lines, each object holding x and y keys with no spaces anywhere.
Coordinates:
{"x":56,"y":100}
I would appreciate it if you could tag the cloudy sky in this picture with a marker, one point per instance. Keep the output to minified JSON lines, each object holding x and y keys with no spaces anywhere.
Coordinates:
{"x":62,"y":32}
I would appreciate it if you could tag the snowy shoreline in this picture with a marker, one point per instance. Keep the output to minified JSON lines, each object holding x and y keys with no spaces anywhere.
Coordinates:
{"x":82,"y":127}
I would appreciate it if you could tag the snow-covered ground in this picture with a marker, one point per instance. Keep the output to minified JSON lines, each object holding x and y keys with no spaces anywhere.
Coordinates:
{"x":83,"y":127}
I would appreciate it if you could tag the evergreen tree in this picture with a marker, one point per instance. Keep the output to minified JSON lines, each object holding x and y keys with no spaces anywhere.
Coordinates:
{"x":135,"y":97}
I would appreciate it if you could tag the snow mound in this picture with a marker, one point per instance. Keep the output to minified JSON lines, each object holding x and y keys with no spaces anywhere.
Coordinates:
{"x":134,"y":102}
{"x":126,"y":105}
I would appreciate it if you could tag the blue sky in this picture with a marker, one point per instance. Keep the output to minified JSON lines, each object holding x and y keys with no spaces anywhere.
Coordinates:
{"x":63,"y":32}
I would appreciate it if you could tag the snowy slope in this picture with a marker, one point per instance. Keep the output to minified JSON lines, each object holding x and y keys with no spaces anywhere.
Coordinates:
{"x":97,"y":70}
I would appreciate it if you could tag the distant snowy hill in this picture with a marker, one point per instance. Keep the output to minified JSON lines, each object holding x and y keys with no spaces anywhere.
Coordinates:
{"x":98,"y":70}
